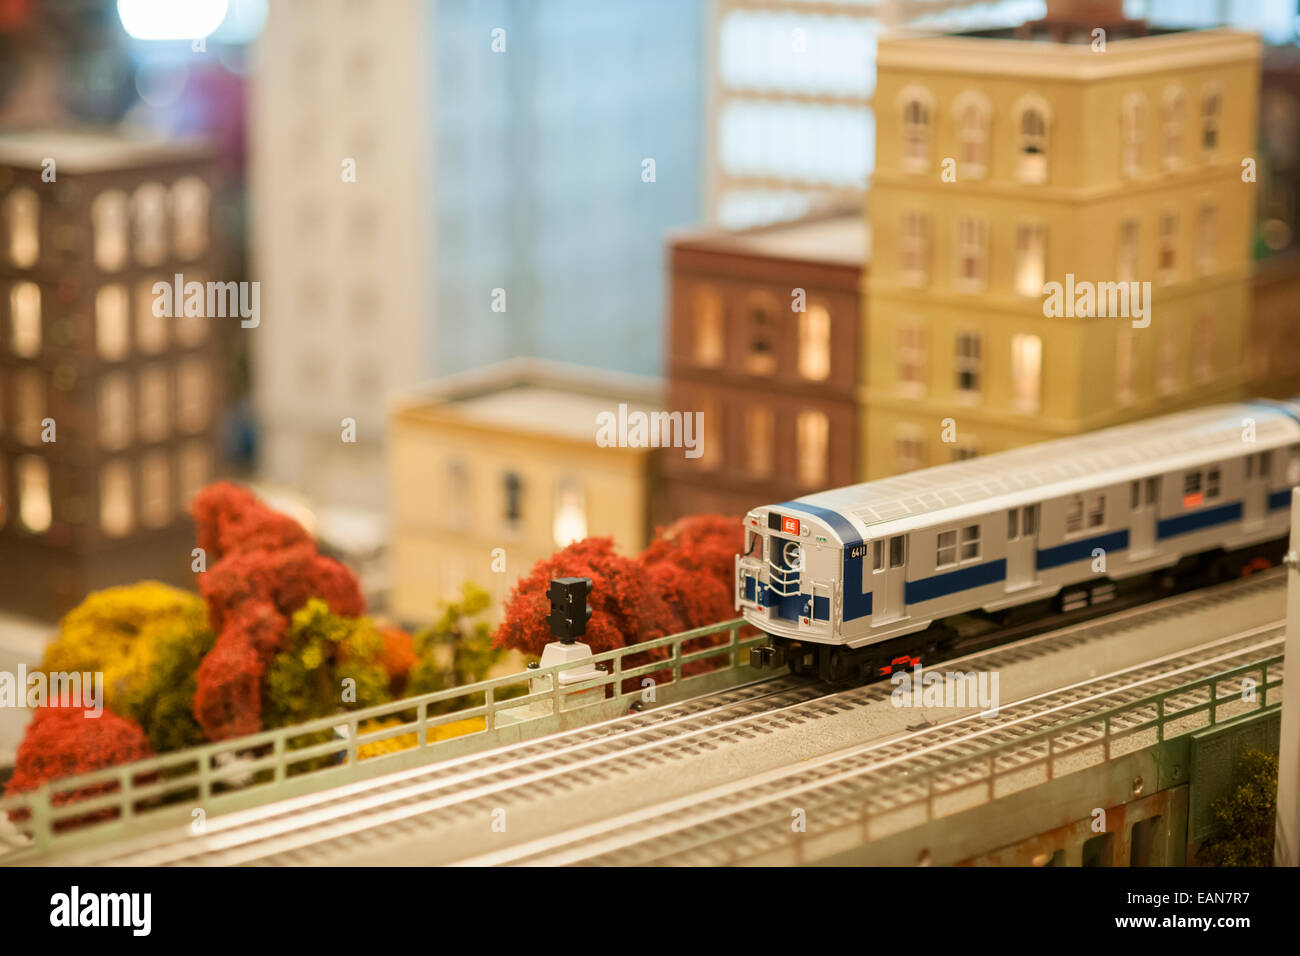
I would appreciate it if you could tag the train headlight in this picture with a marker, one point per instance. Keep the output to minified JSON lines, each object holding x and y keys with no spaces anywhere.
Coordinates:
{"x":793,"y":555}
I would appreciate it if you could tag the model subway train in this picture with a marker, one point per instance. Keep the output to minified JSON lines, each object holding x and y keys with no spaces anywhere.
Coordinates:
{"x":851,"y":582}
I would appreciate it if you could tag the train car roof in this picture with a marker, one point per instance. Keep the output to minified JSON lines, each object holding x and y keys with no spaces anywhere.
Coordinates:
{"x":1060,"y":467}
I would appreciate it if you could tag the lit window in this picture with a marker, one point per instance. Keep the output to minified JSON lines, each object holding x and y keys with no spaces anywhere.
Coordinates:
{"x":191,"y":330}
{"x":111,"y":322}
{"x":709,"y":440}
{"x":761,"y":358}
{"x":116,"y":508}
{"x":972,"y":112}
{"x":25,"y":319}
{"x":708,"y":327}
{"x":108,"y":217}
{"x":913,"y":248}
{"x":758,"y":441}
{"x":149,"y":214}
{"x":1031,"y":253}
{"x":815,"y":343}
{"x":29,"y":405}
{"x":1211,"y":107}
{"x":1026,"y":371}
{"x":1128,"y":251}
{"x":911,"y":358}
{"x":813,"y":441}
{"x":193,"y":395}
{"x":151,"y":329}
{"x":190,"y":216}
{"x":22,"y":213}
{"x":1125,"y":367}
{"x":967,"y":363}
{"x":1205,"y":237}
{"x":972,"y":253}
{"x":33,"y":480}
{"x":115,"y":412}
{"x":155,"y":404}
{"x":1171,"y":122}
{"x":1168,"y":244}
{"x":916,"y":129}
{"x":1032,"y":151}
{"x":195,"y":469}
{"x":155,"y":490}
{"x":1132,"y":117}
{"x":570,"y":513}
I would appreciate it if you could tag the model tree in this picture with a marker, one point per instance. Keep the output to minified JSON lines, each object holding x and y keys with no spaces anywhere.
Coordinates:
{"x":463,"y":636}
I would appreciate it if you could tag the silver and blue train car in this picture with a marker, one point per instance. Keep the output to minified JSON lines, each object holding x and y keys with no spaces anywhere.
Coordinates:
{"x":853,"y":581}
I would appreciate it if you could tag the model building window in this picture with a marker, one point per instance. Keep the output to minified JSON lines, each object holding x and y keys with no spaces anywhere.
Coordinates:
{"x":813,"y":444}
{"x":1206,"y":228}
{"x":967,"y":362}
{"x":1126,"y":267}
{"x":1031,"y":256}
{"x":1132,"y":118}
{"x":758,"y":441}
{"x":32,"y":477}
{"x":1172,"y":119}
{"x":1125,"y":368}
{"x":457,"y":495}
{"x":190,"y":217}
{"x":116,"y":511}
{"x":972,"y":253}
{"x":972,"y":112}
{"x":911,"y":358}
{"x":761,"y":358}
{"x":1203,"y":349}
{"x":965,"y":451}
{"x":193,"y":395}
{"x":194,"y":467}
{"x":190,"y":330}
{"x":513,"y":504}
{"x":1168,"y":244}
{"x":1026,"y":372}
{"x":108,"y":220}
{"x":155,"y":404}
{"x":815,"y":343}
{"x":1211,"y":107}
{"x":22,"y":214}
{"x":909,"y":452}
{"x":155,"y":490}
{"x":710,"y":436}
{"x":1167,"y":364}
{"x":4,"y":496}
{"x":115,"y":412}
{"x":914,"y":248}
{"x":149,"y":215}
{"x":917,"y":108}
{"x":1032,"y":158}
{"x":25,"y":319}
{"x":708,"y":326}
{"x":29,"y":405}
{"x":150,"y":329}
{"x":570,"y":512}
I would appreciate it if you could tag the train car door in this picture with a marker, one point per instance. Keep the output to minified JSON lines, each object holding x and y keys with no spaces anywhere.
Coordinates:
{"x":1144,"y":502}
{"x":1254,"y":490}
{"x":889,"y":569}
{"x":1022,"y":547}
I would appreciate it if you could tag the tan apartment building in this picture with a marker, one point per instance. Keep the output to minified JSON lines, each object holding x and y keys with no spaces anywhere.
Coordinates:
{"x":495,"y":469}
{"x":1008,"y":160}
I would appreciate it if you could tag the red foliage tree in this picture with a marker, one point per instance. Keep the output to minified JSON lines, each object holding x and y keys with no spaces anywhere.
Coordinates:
{"x":693,"y":563}
{"x":62,"y":742}
{"x":262,"y":567}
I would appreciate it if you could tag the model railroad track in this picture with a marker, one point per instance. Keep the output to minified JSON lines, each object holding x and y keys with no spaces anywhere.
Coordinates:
{"x":750,"y":819}
{"x":305,"y":829}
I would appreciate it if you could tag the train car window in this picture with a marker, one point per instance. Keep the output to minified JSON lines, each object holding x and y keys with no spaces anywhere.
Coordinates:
{"x":1013,"y":525}
{"x":1153,"y":490}
{"x":1097,"y":513}
{"x":1135,"y":495}
{"x":1074,"y":515}
{"x":1031,"y":521}
{"x":896,"y":551}
{"x":1212,"y":483}
{"x":947,"y":549}
{"x":1250,"y":467}
{"x":1265,"y":463}
{"x":970,"y":542}
{"x":878,"y":556}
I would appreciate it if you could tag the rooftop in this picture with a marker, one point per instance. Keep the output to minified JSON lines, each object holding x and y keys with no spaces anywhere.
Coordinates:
{"x":88,"y":152}
{"x":840,"y":238}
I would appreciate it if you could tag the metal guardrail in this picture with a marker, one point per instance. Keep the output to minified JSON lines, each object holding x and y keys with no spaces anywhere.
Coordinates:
{"x":302,"y":758}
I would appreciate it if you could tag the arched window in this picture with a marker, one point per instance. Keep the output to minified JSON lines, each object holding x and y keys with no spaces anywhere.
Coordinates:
{"x":1132,"y":115}
{"x":972,"y":112}
{"x":1031,"y":130}
{"x":918,"y":111}
{"x":1172,"y":118}
{"x":1211,"y":108}
{"x":815,"y":343}
{"x":108,"y":219}
{"x":149,"y":211}
{"x":21,"y":213}
{"x":190,"y":216}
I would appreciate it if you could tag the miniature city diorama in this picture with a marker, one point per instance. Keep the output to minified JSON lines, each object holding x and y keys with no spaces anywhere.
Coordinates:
{"x":691,"y":433}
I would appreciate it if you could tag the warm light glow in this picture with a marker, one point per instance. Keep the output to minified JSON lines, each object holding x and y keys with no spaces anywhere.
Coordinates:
{"x":171,"y":19}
